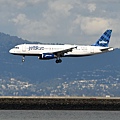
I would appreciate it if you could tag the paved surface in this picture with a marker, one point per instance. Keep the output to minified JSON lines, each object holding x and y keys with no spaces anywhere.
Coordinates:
{"x":59,"y":103}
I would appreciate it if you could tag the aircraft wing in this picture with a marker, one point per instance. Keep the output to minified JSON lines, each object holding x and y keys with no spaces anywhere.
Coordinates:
{"x":61,"y":52}
{"x":107,"y":49}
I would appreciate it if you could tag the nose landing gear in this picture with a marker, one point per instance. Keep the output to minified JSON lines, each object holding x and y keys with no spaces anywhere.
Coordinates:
{"x":23,"y":59}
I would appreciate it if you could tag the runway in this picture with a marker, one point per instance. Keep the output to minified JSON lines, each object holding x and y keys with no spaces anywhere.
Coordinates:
{"x":59,"y":103}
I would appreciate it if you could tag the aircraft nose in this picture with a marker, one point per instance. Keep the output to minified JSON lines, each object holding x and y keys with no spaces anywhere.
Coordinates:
{"x":11,"y":51}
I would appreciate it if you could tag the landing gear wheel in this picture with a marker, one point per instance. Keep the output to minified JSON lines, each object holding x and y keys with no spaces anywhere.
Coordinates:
{"x":23,"y":60}
{"x":58,"y":61}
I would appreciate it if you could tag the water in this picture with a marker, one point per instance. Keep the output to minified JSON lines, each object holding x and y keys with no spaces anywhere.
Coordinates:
{"x":58,"y":115}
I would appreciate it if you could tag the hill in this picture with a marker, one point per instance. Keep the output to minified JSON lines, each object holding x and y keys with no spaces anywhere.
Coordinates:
{"x":97,"y":75}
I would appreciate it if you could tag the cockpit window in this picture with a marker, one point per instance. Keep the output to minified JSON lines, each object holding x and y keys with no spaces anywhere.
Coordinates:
{"x":16,"y":47}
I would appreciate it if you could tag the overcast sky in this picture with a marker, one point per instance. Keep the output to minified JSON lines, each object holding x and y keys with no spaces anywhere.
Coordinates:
{"x":61,"y":21}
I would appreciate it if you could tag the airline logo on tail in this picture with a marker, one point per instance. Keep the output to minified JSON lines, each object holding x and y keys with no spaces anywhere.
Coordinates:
{"x":103,"y":41}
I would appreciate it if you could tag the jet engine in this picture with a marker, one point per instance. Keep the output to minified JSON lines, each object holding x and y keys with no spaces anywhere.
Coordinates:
{"x":47,"y":56}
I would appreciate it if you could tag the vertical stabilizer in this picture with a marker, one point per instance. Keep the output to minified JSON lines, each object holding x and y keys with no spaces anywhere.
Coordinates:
{"x":103,"y":41}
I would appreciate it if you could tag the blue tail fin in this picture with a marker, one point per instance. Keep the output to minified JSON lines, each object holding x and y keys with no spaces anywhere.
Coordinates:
{"x":103,"y":41}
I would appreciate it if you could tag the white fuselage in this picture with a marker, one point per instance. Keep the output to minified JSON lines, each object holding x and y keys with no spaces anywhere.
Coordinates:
{"x":46,"y":52}
{"x":38,"y":49}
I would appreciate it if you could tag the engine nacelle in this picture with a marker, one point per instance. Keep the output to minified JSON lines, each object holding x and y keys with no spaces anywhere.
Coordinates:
{"x":46,"y":56}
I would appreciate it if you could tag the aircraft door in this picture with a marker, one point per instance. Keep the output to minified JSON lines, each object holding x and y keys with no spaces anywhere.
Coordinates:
{"x":92,"y":50}
{"x":24,"y":48}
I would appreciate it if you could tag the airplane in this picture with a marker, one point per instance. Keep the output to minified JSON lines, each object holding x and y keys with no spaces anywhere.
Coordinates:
{"x":47,"y":52}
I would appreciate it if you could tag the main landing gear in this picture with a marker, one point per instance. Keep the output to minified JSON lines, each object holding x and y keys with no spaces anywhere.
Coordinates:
{"x":58,"y":60}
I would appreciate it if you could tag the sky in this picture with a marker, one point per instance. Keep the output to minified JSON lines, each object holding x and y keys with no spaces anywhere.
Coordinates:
{"x":61,"y":21}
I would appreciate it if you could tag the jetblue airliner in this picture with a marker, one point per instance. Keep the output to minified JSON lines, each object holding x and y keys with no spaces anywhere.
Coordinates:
{"x":47,"y":52}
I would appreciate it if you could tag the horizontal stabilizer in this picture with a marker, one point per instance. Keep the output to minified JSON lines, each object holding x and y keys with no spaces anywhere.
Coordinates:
{"x":107,"y":49}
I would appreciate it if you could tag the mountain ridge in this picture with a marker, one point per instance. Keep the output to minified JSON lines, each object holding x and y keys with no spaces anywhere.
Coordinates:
{"x":74,"y":76}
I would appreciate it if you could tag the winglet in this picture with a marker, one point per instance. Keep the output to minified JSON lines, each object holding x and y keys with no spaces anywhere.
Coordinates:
{"x":103,"y":41}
